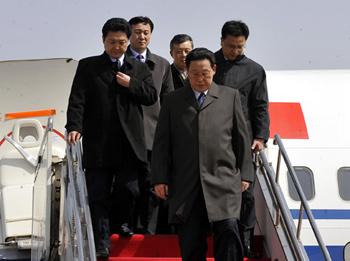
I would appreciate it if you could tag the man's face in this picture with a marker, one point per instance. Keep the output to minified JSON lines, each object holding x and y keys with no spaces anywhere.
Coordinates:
{"x":233,"y":46}
{"x":179,"y":54}
{"x":140,"y":36}
{"x":200,"y":74}
{"x":115,"y":44}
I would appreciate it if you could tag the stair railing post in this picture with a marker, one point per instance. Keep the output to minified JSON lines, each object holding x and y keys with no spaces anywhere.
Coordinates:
{"x":303,"y":198}
{"x":300,"y":221}
{"x":278,"y":211}
{"x":278,"y":165}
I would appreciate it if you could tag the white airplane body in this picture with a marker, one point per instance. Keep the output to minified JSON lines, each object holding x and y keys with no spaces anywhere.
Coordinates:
{"x":322,"y":145}
{"x":309,"y":109}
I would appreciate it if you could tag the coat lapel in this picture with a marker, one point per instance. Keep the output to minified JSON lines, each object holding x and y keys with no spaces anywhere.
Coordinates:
{"x":211,"y":96}
{"x":190,"y":97}
{"x":105,"y":68}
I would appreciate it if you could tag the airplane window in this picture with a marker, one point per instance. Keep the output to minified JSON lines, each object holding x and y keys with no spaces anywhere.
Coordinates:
{"x":343,"y":182}
{"x":306,"y":180}
{"x":347,"y":252}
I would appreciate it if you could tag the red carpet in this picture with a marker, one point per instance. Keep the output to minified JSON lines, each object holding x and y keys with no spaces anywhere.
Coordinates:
{"x":151,"y":248}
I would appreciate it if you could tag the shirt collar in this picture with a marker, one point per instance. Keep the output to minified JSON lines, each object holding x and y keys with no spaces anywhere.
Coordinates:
{"x":182,"y":73}
{"x":121,"y":59}
{"x":238,"y":59}
{"x":135,"y":54}
{"x":196,"y":93}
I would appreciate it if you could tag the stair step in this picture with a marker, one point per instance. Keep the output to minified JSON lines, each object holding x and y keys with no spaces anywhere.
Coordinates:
{"x":169,"y":259}
{"x":153,"y":247}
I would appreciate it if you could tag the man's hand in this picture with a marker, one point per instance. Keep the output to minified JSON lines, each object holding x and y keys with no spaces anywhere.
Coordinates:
{"x":258,"y":145}
{"x":123,"y":79}
{"x":161,"y":190}
{"x":245,"y":185}
{"x":73,"y":137}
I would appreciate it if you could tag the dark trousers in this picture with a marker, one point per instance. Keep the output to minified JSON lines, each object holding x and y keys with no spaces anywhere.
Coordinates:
{"x":125,"y":192}
{"x":247,"y":218}
{"x":146,"y":202}
{"x":163,"y":226}
{"x":193,"y":236}
{"x":99,"y":186}
{"x":151,"y":213}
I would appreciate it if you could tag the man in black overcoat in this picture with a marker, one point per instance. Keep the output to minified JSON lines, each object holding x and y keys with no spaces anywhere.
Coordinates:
{"x":236,"y":70}
{"x":105,"y":109}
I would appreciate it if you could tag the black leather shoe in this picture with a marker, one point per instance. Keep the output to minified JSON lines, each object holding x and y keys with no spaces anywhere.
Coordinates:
{"x":247,"y":250}
{"x":102,"y":253}
{"x":142,"y":230}
{"x":125,"y":231}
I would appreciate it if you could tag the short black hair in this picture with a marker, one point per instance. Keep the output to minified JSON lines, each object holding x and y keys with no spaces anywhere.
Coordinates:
{"x":234,"y":28}
{"x":116,"y":25}
{"x":141,"y":20}
{"x":178,"y":39}
{"x":199,"y":54}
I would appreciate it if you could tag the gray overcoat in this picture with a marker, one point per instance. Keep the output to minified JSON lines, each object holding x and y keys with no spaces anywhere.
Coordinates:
{"x":163,"y":82}
{"x":202,"y":149}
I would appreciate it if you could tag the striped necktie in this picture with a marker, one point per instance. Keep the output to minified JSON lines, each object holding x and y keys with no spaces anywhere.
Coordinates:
{"x":201,"y":99}
{"x":140,"y":58}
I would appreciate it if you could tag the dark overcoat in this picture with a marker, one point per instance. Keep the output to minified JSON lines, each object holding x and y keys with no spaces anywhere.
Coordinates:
{"x":178,"y":81}
{"x":205,"y":147}
{"x":97,"y":101}
{"x":249,"y":78}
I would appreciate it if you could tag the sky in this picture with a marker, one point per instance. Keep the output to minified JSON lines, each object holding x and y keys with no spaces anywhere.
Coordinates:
{"x":285,"y":35}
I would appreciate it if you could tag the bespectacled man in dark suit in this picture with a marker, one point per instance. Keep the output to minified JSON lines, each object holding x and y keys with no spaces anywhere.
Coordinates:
{"x":236,"y":70}
{"x":180,"y":46}
{"x":104,"y":108}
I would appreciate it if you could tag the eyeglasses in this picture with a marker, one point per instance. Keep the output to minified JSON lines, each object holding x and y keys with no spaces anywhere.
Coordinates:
{"x":235,"y":47}
{"x":117,"y":42}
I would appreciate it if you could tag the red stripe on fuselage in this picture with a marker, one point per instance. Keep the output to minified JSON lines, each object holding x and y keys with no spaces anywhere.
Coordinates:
{"x":287,"y":120}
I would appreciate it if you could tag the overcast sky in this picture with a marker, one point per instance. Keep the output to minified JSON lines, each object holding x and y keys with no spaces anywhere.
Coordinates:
{"x":298,"y":34}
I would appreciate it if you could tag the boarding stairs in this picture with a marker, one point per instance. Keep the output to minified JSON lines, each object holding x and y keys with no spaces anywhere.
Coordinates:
{"x":61,"y":225}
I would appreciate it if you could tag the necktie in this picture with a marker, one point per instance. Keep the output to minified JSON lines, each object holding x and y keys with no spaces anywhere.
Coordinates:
{"x":140,"y":58}
{"x":116,"y":66}
{"x":201,"y":99}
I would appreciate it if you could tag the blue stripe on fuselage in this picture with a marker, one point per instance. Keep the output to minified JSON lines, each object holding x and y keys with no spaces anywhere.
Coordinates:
{"x":315,"y":254}
{"x":324,"y":213}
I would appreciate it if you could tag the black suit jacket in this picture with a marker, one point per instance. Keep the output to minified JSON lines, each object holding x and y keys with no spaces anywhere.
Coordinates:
{"x":106,"y":113}
{"x":177,"y":78}
{"x":249,"y":78}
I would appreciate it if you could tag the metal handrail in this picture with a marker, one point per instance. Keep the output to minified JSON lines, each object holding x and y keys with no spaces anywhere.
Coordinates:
{"x":303,"y":200}
{"x":77,"y":213}
{"x":282,"y":206}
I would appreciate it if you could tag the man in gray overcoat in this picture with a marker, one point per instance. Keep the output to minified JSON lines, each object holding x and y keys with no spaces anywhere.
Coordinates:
{"x":202,"y":161}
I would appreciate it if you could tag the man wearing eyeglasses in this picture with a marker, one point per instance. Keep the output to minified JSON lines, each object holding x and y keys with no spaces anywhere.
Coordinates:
{"x":104,"y":108}
{"x":236,"y":70}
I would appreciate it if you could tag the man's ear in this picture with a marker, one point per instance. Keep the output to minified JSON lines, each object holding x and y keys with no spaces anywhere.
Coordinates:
{"x":214,"y":68}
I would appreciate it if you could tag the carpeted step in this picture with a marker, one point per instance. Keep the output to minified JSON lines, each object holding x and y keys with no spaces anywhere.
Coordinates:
{"x":151,"y":247}
{"x":168,"y":259}
{"x":148,"y":246}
